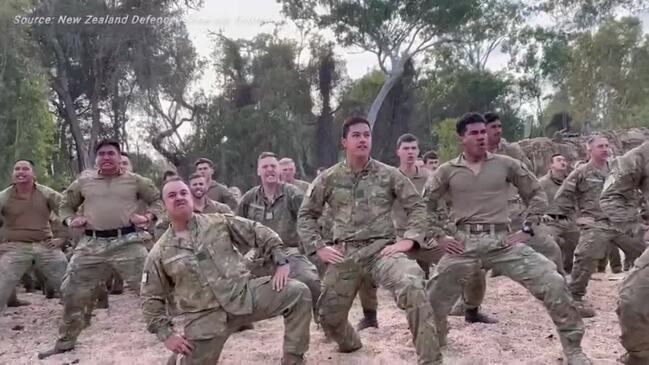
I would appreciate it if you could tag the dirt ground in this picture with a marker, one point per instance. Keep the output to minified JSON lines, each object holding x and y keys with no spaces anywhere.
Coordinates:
{"x":525,"y":334}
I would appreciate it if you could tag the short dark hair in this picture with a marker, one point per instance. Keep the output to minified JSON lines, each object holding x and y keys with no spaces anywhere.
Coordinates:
{"x":491,"y":117}
{"x":30,"y":162}
{"x":465,"y":120}
{"x":556,"y":155}
{"x":406,"y":138}
{"x":204,"y":160}
{"x":353,"y":121}
{"x":266,"y":154}
{"x":125,"y":154}
{"x":168,"y":173}
{"x":108,"y":142}
{"x":195,"y":175}
{"x":430,"y":155}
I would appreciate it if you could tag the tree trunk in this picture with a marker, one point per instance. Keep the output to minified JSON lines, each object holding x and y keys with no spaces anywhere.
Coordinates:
{"x":398,"y":67}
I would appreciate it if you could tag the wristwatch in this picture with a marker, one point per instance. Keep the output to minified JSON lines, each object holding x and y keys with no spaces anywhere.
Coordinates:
{"x":281,"y":262}
{"x":527,"y":228}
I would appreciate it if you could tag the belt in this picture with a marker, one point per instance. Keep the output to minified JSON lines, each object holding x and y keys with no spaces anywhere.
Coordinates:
{"x":110,"y":232}
{"x":558,"y":216}
{"x":484,"y":228}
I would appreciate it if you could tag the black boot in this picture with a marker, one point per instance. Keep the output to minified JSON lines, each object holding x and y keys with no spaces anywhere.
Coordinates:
{"x":369,"y":320}
{"x":474,"y":316}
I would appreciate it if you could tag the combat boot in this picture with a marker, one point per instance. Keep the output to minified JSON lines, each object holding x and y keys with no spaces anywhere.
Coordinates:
{"x":15,"y":302}
{"x":474,"y":316}
{"x":369,"y":320}
{"x":584,"y":308}
{"x":628,"y":359}
{"x":577,"y":357}
{"x":292,"y":359}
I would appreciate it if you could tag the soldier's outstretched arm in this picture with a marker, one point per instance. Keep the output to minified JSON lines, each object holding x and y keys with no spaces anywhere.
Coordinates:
{"x":434,"y":194}
{"x":618,"y":199}
{"x":249,"y":233}
{"x":530,"y":191}
{"x":155,"y":290}
{"x":147,"y":191}
{"x":71,"y":201}
{"x":310,"y":211}
{"x":566,"y":197}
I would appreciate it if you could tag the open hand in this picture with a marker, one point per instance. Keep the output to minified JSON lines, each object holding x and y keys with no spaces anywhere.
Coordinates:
{"x":281,"y":277}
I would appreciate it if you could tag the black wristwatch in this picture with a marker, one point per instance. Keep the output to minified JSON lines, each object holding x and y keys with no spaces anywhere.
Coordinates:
{"x":527,"y":228}
{"x":281,"y":262}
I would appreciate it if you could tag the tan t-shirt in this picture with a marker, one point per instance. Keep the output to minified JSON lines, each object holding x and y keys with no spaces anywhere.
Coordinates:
{"x":27,"y":219}
{"x":109,"y":201}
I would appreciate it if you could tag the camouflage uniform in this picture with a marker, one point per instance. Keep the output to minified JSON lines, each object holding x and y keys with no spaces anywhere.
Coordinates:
{"x":221,"y":193}
{"x":211,"y":206}
{"x":215,"y":293}
{"x":480,"y":208}
{"x":562,"y":228}
{"x":27,"y":228}
{"x":543,"y":242}
{"x":109,"y":202}
{"x":280,"y":215}
{"x":619,"y":204}
{"x":302,"y":185}
{"x":580,"y":192}
{"x":361,"y":205}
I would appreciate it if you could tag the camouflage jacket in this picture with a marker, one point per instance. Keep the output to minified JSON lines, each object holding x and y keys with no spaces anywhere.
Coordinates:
{"x":361,"y":205}
{"x":302,"y":185}
{"x":207,"y":275}
{"x":212,"y":206}
{"x":221,"y":193}
{"x":619,"y":198}
{"x":280,"y":215}
{"x":551,"y":185}
{"x":578,"y":196}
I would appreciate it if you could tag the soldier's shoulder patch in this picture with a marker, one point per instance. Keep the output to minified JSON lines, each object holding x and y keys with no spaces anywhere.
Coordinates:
{"x":610,"y":179}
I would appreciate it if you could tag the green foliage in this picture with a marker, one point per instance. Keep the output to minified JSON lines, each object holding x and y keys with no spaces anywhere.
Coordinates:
{"x":447,"y":140}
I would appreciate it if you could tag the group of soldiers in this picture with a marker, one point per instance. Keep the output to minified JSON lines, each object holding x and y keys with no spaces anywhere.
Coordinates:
{"x":207,"y":263}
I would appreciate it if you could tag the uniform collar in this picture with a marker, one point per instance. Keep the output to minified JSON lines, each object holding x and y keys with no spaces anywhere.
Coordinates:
{"x":369,"y":166}
{"x":461,"y":161}
{"x":278,"y":194}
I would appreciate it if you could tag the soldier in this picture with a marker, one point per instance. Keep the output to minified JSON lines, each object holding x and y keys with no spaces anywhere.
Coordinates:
{"x":361,"y":192}
{"x":561,"y":227}
{"x":542,"y":242}
{"x":580,"y":193}
{"x":618,"y":202}
{"x":431,"y":161}
{"x":287,"y":174}
{"x":111,"y":241}
{"x":275,"y":205}
{"x":199,"y":262}
{"x":25,"y":209}
{"x":236,"y":192}
{"x":203,"y":204}
{"x":217,"y":192}
{"x":478,"y":184}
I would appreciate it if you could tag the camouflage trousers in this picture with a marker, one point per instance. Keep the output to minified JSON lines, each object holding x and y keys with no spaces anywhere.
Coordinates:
{"x":301,"y":269}
{"x":566,"y":234}
{"x":518,"y":262}
{"x":472,"y":295}
{"x":398,"y":274}
{"x":543,"y":241}
{"x":92,"y":260}
{"x":19,"y":258}
{"x":615,"y":260}
{"x":593,"y":246}
{"x":633,"y":312}
{"x":293,"y":303}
